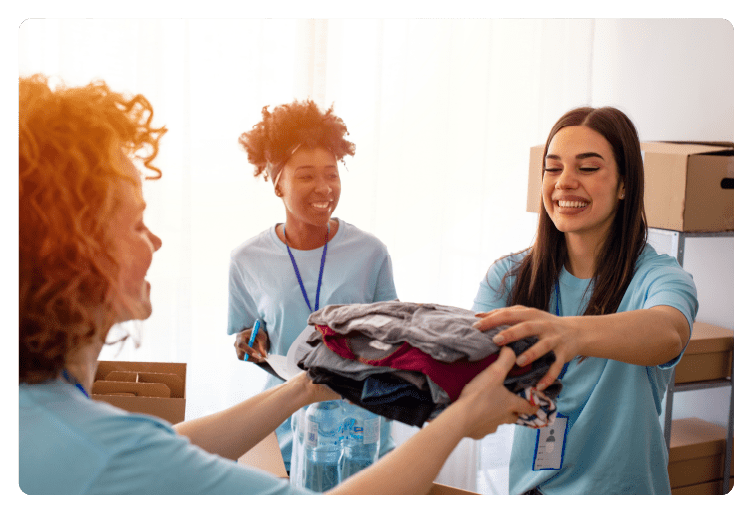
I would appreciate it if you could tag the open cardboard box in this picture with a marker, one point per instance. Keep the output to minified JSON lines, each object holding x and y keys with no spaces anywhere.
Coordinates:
{"x":266,"y":455}
{"x":697,"y":456}
{"x":688,"y":186}
{"x":157,"y":389}
{"x":708,"y":356}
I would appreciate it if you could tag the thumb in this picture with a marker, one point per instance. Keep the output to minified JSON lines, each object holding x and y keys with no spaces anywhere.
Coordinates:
{"x":505,"y":362}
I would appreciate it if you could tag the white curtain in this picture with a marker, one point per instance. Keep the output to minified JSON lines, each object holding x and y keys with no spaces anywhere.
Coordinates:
{"x":443,"y":113}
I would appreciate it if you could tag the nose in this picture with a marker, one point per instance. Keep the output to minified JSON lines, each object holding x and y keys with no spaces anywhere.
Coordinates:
{"x":566,"y":180}
{"x":155,"y":241}
{"x":323,"y":186}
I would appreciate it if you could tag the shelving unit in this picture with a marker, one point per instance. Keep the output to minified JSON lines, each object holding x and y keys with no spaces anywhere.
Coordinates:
{"x":673,"y":243}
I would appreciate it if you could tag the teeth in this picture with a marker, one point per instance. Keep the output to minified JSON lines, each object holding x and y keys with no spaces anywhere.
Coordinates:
{"x":321,"y":205}
{"x":572,"y":204}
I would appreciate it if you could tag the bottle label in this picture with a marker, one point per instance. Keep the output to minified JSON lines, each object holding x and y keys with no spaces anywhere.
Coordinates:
{"x":372,"y":432}
{"x":311,"y":434}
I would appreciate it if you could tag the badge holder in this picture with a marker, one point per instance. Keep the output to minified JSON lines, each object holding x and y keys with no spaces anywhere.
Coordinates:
{"x":551,"y":444}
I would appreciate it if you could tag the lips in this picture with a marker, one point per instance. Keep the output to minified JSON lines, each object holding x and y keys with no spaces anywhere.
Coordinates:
{"x":321,"y":205}
{"x":572,"y":204}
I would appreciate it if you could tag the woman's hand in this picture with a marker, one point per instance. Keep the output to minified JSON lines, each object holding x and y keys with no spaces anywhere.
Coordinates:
{"x":553,"y":332}
{"x":313,"y":392}
{"x":260,"y":348}
{"x":489,"y":402}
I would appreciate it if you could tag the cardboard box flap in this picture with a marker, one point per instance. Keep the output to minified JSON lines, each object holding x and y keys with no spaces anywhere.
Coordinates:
{"x":687,"y":148}
{"x":145,"y":389}
{"x":105,"y":367}
{"x":175,"y":384}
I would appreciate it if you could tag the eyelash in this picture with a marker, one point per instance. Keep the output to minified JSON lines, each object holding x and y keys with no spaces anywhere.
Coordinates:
{"x":583,"y":169}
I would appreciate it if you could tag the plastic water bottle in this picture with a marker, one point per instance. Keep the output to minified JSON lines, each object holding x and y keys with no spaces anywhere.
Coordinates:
{"x":298,"y":451}
{"x":363,"y":440}
{"x":324,"y":433}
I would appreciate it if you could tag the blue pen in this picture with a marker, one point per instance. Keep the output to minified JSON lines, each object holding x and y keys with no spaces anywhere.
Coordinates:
{"x":253,"y":335}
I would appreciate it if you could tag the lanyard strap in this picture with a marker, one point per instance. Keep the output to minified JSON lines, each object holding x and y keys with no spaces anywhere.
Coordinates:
{"x":72,"y":380}
{"x":558,"y":313}
{"x":297,"y":270}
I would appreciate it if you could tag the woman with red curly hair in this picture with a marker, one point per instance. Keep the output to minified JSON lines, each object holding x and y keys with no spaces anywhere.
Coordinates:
{"x":282,"y":275}
{"x":83,"y":255}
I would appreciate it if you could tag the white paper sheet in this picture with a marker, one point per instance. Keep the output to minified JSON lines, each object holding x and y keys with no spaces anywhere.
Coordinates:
{"x":286,"y":366}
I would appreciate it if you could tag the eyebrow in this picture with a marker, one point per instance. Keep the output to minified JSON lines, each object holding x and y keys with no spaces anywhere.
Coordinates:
{"x":580,"y":156}
{"x":313,"y":167}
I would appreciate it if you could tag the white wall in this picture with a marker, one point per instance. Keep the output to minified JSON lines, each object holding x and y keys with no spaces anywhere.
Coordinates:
{"x":675,"y":79}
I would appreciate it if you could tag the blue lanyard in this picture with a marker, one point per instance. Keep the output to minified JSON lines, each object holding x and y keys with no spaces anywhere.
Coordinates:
{"x":558,"y":313}
{"x":70,"y":379}
{"x":297,"y":271}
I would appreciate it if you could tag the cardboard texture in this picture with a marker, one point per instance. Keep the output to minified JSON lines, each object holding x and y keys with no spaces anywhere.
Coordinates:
{"x":688,"y":186}
{"x":266,"y":455}
{"x":697,"y":453}
{"x":713,"y":487}
{"x":708,"y":356}
{"x":157,"y":389}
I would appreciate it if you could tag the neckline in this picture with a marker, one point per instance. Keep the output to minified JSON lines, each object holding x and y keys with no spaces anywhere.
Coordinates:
{"x":280,"y":243}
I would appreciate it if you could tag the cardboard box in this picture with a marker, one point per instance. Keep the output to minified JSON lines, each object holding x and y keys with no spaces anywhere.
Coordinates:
{"x":697,"y":452}
{"x":157,"y":389}
{"x":713,"y":487}
{"x":687,"y":186}
{"x":708,"y":356}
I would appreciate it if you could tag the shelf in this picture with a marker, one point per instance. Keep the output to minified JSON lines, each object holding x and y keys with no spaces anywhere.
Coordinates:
{"x":708,"y":360}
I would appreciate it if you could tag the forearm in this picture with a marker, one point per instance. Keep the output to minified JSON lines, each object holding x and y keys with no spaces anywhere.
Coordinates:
{"x":414,"y":465}
{"x":645,"y":337}
{"x":233,"y":431}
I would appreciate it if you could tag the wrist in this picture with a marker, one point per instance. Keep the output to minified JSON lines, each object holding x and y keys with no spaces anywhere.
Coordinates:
{"x":579,"y":334}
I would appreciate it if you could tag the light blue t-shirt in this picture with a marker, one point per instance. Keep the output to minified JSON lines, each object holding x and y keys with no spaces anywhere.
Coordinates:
{"x":614,"y":442}
{"x":69,"y":444}
{"x":263,"y":285}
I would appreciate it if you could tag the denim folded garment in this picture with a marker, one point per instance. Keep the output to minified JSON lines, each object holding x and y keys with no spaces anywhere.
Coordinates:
{"x":408,"y":361}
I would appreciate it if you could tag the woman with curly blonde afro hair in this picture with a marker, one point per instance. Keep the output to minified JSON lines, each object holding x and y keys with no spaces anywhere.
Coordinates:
{"x":280,"y":276}
{"x":84,"y":253}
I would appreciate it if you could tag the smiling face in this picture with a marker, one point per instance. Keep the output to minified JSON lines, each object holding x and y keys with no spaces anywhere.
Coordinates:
{"x":310,"y":187}
{"x":136,"y":245}
{"x":581,"y":187}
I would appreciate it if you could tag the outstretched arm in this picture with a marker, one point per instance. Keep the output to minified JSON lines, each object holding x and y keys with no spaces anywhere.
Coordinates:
{"x":413,"y":466}
{"x":645,"y":337}
{"x":233,"y":431}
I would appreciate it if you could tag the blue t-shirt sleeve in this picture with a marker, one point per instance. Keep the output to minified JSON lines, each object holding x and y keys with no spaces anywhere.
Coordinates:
{"x":242,"y":309}
{"x":385,"y":288}
{"x":489,"y":294}
{"x":671,"y":285}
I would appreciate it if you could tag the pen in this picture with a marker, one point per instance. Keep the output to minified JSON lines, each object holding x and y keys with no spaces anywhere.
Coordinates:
{"x":253,"y":335}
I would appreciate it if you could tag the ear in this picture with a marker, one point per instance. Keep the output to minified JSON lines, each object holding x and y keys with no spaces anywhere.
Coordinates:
{"x":622,"y":190}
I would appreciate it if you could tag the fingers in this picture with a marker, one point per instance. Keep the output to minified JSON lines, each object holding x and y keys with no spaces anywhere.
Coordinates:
{"x":262,"y":343}
{"x":505,"y":362}
{"x":502,"y":316}
{"x":551,"y":376}
{"x":258,"y":352}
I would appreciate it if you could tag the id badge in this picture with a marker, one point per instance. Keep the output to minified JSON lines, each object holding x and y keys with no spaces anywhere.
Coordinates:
{"x":551,"y":445}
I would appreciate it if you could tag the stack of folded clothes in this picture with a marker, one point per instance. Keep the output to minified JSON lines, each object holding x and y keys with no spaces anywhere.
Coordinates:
{"x":407,"y":361}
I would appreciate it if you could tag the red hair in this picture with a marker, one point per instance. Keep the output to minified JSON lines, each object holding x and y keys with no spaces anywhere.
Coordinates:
{"x":71,"y":142}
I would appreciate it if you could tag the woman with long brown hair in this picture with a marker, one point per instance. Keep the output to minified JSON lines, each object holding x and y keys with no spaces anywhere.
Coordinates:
{"x":617,"y":315}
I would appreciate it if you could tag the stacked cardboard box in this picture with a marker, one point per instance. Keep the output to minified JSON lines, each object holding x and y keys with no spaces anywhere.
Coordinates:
{"x":157,"y":389}
{"x":697,"y":447}
{"x":708,"y":355}
{"x":697,"y":457}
